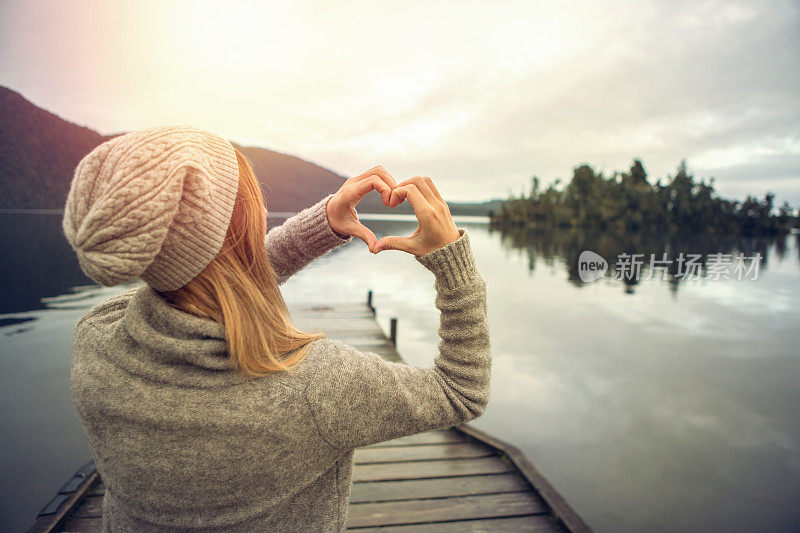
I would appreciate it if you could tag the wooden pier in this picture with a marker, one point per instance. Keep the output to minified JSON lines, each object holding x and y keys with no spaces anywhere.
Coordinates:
{"x":451,"y":480}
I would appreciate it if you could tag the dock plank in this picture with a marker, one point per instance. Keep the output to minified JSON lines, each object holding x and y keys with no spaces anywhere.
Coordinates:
{"x":519,"y":524}
{"x":82,"y":525}
{"x":90,"y":507}
{"x":430,"y":469}
{"x":98,"y":489}
{"x":380,"y":491}
{"x":450,"y":450}
{"x":429,"y":437}
{"x":444,"y":509}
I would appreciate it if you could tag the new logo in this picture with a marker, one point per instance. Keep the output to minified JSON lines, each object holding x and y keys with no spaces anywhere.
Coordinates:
{"x":591,"y":266}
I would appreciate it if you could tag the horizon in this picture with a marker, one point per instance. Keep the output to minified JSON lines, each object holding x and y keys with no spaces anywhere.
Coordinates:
{"x":481,"y":104}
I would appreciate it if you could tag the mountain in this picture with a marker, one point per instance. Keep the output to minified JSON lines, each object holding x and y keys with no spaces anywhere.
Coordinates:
{"x":39,"y":152}
{"x":290,"y":183}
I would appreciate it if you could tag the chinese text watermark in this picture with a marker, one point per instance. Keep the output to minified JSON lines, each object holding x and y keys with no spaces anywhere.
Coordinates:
{"x":686,"y":266}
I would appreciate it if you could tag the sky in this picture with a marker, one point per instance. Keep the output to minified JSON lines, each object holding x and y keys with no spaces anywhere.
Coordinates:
{"x":480,"y":96}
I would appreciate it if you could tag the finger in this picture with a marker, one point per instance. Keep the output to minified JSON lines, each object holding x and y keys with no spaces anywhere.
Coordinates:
{"x":414,"y":196}
{"x":422,"y":207}
{"x":404,"y":244}
{"x":366,"y":235}
{"x":395,"y":200}
{"x":423,"y":187}
{"x":429,"y":181}
{"x":378,"y":171}
{"x":356,"y":191}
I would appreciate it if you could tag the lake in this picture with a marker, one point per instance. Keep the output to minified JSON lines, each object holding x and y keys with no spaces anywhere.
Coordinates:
{"x":650,"y":404}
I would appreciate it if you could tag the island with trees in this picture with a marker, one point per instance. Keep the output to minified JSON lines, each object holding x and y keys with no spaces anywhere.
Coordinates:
{"x":628,"y":202}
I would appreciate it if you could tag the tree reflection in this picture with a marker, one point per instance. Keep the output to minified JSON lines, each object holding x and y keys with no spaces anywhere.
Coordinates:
{"x":564,"y":246}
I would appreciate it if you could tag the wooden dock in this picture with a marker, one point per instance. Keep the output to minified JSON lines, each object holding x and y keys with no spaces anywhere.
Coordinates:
{"x":451,"y":480}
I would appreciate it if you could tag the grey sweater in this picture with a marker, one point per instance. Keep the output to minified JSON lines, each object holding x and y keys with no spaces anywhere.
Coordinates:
{"x":184,"y":443}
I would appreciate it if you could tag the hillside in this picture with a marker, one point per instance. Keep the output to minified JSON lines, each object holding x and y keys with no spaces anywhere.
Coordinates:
{"x":39,"y":152}
{"x":290,"y":183}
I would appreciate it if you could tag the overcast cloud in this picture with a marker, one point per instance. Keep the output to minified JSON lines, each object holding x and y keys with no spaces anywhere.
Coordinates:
{"x":478,"y":95}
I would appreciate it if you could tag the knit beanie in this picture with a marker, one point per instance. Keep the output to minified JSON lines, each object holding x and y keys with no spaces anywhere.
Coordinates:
{"x":154,"y":203}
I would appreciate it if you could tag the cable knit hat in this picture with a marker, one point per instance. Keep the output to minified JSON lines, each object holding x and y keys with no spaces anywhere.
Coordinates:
{"x":154,"y":203}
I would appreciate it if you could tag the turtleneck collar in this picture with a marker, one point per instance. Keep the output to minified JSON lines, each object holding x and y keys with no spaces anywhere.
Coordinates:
{"x":165,"y":344}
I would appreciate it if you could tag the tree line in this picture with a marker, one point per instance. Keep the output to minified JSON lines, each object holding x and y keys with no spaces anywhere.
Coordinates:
{"x":627,"y":201}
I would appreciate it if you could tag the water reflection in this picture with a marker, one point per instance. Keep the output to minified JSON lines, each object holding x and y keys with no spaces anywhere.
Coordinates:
{"x":565,"y":246}
{"x":36,"y":261}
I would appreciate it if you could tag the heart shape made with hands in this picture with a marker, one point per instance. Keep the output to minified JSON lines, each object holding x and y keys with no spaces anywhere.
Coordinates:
{"x":436,"y":227}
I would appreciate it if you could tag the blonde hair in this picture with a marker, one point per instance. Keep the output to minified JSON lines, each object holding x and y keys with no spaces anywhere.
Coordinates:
{"x":239,"y":289}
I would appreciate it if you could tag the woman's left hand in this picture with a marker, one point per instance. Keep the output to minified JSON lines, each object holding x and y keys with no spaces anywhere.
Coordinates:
{"x":341,"y":208}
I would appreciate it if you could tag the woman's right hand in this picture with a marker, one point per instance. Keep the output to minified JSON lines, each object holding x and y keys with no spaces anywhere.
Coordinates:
{"x":436,"y":227}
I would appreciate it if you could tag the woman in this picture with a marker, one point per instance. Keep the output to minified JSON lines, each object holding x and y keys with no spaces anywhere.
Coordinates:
{"x":204,"y":407}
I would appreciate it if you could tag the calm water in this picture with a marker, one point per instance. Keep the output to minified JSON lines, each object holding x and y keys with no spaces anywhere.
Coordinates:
{"x":651,"y":406}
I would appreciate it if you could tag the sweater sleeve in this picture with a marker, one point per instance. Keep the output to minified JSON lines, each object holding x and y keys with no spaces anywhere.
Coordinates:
{"x":359,"y":398}
{"x":301,"y":239}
